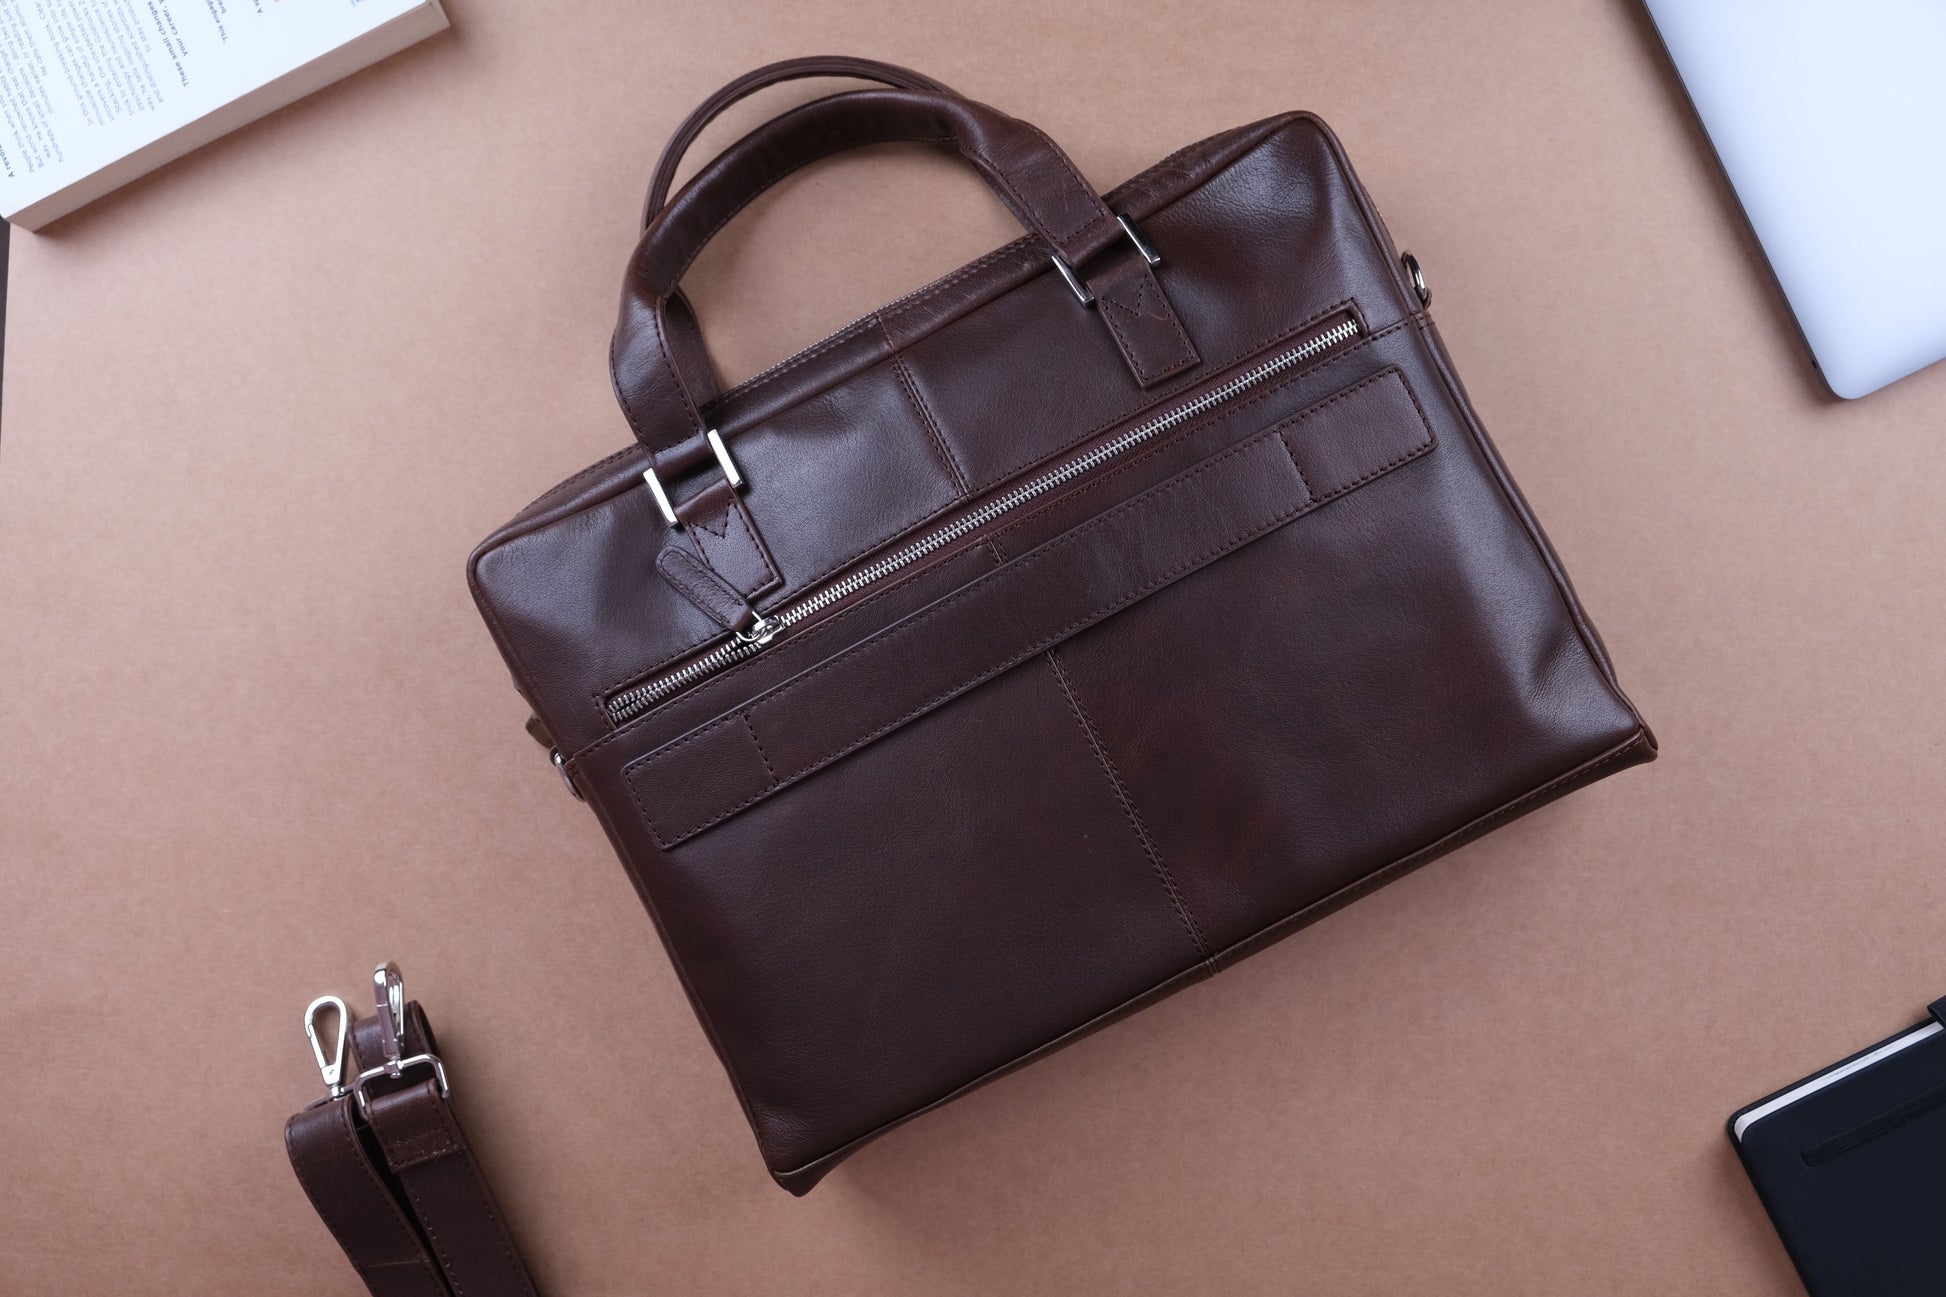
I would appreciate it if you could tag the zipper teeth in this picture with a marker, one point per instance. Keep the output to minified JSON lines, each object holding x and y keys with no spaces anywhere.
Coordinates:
{"x":631,"y":703}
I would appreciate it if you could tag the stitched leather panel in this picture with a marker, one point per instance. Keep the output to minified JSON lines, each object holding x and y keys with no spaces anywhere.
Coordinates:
{"x":1024,"y":607}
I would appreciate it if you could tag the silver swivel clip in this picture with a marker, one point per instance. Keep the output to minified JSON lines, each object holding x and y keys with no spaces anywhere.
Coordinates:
{"x":331,"y":1066}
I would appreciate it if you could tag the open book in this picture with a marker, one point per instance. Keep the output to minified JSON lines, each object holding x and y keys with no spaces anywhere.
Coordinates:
{"x":94,"y":93}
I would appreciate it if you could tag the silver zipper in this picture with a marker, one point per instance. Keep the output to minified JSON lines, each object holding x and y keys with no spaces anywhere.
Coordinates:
{"x":745,"y":644}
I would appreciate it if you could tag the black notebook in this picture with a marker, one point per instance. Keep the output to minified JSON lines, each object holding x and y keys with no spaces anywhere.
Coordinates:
{"x":1851,"y":1164}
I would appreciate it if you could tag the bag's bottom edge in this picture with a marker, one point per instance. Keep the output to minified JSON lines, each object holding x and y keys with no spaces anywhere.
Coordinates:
{"x":1638,"y":748}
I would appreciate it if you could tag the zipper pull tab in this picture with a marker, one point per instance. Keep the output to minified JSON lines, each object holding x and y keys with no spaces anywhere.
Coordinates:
{"x":758,"y":633}
{"x":698,"y":582}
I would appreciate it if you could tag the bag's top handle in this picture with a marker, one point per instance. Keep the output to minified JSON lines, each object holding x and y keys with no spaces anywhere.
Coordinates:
{"x":661,"y":370}
{"x":685,"y":341}
{"x":816,"y":65}
{"x":1030,"y":173}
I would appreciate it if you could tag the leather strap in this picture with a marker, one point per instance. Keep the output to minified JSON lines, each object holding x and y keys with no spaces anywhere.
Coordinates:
{"x":815,"y":65}
{"x":400,"y":1188}
{"x":345,"y":1179}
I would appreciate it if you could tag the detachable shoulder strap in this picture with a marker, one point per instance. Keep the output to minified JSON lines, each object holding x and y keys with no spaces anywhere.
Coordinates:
{"x":385,"y":1162}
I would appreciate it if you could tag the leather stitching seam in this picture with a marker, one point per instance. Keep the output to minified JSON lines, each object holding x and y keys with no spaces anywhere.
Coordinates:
{"x":392,"y":1212}
{"x":1297,"y":468}
{"x":1114,"y":309}
{"x":804,"y":357}
{"x":931,"y":424}
{"x":1036,"y":215}
{"x":698,"y":594}
{"x":769,"y":769}
{"x":733,"y":515}
{"x":900,"y":305}
{"x":1135,"y":820}
{"x":607,"y":461}
{"x":675,"y":378}
{"x":912,"y":301}
{"x":485,"y":1199}
{"x":484,"y":1202}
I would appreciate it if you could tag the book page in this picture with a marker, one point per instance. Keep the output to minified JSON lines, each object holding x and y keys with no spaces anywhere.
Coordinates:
{"x":85,"y":82}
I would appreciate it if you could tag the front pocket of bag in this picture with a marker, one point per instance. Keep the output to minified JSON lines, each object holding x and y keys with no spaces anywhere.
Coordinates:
{"x":913,"y":862}
{"x":1025,"y":606}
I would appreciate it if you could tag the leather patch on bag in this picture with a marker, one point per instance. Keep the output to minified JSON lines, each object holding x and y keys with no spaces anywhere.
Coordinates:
{"x":726,"y":539}
{"x":1142,"y":322}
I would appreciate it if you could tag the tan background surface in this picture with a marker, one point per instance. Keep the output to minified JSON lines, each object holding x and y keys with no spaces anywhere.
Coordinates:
{"x":253,"y":736}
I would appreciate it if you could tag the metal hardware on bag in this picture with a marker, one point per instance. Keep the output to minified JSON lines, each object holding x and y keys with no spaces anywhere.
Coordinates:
{"x":661,"y":496}
{"x":1086,"y":295}
{"x":561,"y":769}
{"x":759,"y":633}
{"x":723,"y":461}
{"x":357,"y":1086}
{"x":388,"y":994}
{"x":1417,"y":276}
{"x":332,"y":1069}
{"x":1135,"y":236}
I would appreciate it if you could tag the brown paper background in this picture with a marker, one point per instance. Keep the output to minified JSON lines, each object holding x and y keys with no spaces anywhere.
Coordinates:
{"x":253,"y":736}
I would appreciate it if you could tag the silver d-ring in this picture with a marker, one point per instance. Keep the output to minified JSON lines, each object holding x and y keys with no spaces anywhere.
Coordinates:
{"x":1417,"y":276}
{"x":392,"y":1071}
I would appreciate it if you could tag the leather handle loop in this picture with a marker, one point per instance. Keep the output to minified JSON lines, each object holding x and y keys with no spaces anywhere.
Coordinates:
{"x":686,"y":348}
{"x":1029,"y":172}
{"x":816,"y":65}
{"x":661,"y":393}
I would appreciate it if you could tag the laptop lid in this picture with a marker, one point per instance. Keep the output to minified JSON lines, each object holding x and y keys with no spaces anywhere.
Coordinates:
{"x":1830,"y":120}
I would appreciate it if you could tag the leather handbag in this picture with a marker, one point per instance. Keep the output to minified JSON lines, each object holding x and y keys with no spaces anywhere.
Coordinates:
{"x":1049,"y":639}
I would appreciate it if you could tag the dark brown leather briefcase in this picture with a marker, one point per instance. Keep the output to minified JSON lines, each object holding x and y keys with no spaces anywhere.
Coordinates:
{"x":1047,"y":639}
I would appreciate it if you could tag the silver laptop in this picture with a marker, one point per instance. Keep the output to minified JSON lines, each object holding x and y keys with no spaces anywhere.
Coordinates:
{"x":1829,"y":117}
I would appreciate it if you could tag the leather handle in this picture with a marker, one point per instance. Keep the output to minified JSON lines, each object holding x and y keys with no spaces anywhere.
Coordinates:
{"x":1029,"y":172}
{"x":685,"y":340}
{"x":1032,"y":176}
{"x":816,"y":65}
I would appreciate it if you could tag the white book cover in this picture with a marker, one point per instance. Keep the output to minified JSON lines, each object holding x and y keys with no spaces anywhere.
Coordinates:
{"x":94,"y":93}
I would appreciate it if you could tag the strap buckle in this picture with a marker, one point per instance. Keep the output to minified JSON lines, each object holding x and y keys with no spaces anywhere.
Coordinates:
{"x":723,"y":461}
{"x":1086,"y":295}
{"x":388,"y":993}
